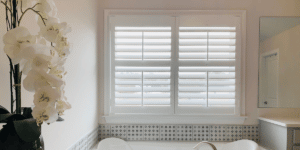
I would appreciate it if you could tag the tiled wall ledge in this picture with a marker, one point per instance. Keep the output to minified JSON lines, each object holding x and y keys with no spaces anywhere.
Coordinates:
{"x":87,"y":142}
{"x":179,"y":132}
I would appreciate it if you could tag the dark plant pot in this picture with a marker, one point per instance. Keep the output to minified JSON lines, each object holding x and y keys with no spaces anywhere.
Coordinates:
{"x":20,"y":132}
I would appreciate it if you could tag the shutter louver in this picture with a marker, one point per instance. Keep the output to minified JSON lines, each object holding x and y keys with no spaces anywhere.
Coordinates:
{"x":211,"y":85}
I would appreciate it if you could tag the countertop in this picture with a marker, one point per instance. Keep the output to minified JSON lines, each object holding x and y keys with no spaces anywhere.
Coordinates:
{"x":282,"y":121}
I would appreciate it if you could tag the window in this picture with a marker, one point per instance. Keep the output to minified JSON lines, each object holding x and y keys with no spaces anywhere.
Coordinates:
{"x":174,"y":63}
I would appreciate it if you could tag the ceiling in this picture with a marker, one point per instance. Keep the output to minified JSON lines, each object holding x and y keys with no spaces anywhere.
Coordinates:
{"x":271,"y":26}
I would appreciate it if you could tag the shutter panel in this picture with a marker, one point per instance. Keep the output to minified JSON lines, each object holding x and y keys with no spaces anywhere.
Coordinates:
{"x":141,"y":65}
{"x":207,"y":67}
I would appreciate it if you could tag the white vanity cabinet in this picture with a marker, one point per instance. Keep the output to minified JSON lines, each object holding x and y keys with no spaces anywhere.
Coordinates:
{"x":280,"y":133}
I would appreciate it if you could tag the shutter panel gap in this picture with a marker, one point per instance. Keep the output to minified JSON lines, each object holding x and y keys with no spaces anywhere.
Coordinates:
{"x":143,"y":71}
{"x":207,"y":71}
{"x":207,"y":48}
{"x":206,"y":88}
{"x":142,"y":88}
{"x":143,"y":45}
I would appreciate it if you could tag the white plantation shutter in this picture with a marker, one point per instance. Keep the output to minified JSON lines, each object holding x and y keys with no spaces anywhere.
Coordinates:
{"x":174,"y":65}
{"x":207,"y":64}
{"x":141,"y":64}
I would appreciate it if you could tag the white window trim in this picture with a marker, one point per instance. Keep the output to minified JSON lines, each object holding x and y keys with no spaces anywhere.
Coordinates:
{"x":238,"y":118}
{"x":174,"y":119}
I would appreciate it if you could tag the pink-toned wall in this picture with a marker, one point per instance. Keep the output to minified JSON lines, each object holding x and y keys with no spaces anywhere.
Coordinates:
{"x":254,"y":8}
{"x":82,"y":85}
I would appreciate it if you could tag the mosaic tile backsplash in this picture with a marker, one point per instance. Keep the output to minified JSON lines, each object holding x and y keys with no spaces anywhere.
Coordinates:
{"x":220,"y":133}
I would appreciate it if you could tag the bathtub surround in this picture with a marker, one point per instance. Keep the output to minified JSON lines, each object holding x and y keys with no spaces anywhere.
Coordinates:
{"x":213,"y":133}
{"x":87,"y":142}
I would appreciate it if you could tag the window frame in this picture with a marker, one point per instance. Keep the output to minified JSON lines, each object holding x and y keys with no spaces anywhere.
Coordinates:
{"x":237,"y":118}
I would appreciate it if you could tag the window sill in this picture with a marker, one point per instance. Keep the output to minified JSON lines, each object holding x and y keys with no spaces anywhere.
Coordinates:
{"x":176,"y":119}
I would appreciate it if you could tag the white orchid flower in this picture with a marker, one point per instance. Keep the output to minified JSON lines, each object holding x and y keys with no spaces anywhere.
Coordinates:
{"x":43,"y":65}
{"x":62,"y":47}
{"x":35,"y":56}
{"x":41,"y":40}
{"x":39,"y":61}
{"x":28,"y":50}
{"x":13,"y":41}
{"x":45,"y":96}
{"x":38,"y":78}
{"x":56,"y":59}
{"x":58,"y":71}
{"x":46,"y":7}
{"x":61,"y":106}
{"x":48,"y":114}
{"x":54,"y":30}
{"x":57,"y":66}
{"x":52,"y":113}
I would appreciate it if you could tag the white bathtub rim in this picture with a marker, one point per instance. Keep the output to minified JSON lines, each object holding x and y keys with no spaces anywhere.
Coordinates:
{"x":183,"y":144}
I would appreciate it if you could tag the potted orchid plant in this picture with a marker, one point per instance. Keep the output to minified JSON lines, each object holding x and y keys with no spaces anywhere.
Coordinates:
{"x":40,"y":58}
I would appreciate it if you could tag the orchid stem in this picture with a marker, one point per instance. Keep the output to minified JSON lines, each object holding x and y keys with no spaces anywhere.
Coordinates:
{"x":17,"y":74}
{"x":5,"y":4}
{"x":37,"y":12}
{"x":22,"y":7}
{"x":8,"y":25}
{"x":11,"y":88}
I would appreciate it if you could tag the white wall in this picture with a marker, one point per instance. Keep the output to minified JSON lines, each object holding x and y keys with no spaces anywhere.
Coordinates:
{"x":82,"y":87}
{"x":255,"y":9}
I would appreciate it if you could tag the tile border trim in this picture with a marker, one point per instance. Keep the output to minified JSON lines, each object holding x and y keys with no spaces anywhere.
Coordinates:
{"x":170,"y":132}
{"x":87,"y":142}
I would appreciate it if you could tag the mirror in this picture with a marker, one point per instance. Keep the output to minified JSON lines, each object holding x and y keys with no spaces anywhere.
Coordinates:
{"x":279,"y":62}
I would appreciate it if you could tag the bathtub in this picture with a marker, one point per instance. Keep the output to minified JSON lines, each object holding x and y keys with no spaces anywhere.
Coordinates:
{"x":161,"y":145}
{"x":118,"y":144}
